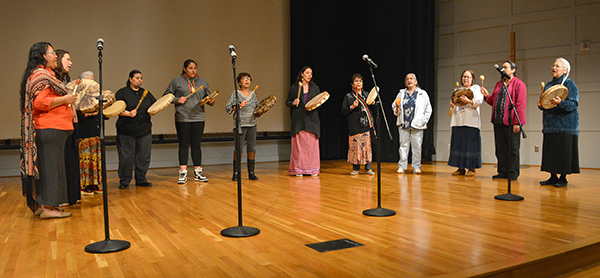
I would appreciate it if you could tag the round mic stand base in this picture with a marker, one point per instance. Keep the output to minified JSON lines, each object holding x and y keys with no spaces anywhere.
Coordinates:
{"x":509,"y":197}
{"x":379,"y":211}
{"x":107,"y":246}
{"x":240,"y":231}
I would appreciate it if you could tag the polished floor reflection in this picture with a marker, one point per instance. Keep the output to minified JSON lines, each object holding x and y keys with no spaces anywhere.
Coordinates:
{"x":444,"y":224}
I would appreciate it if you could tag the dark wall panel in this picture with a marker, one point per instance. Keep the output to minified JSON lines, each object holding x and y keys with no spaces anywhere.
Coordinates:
{"x":332,"y":38}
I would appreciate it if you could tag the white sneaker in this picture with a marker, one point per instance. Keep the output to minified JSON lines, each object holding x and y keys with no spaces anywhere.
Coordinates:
{"x":182,"y":176}
{"x":354,"y":173}
{"x":400,"y":171}
{"x":198,"y":176}
{"x":417,"y":171}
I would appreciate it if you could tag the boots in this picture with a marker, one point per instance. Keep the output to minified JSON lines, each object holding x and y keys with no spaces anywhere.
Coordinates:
{"x":235,"y":173}
{"x":251,"y":163}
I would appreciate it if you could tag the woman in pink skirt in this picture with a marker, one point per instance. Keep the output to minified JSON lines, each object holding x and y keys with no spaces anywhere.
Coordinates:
{"x":306,"y":127}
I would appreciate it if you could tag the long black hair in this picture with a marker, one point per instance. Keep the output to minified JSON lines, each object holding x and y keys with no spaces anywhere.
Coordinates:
{"x":59,"y":70}
{"x":299,"y":77}
{"x":36,"y":58}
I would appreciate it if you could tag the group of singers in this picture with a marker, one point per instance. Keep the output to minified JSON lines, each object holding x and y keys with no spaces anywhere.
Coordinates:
{"x":560,"y":153}
{"x":60,"y":157}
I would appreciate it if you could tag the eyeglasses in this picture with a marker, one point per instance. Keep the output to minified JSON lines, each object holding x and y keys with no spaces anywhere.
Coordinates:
{"x":52,"y":52}
{"x":556,"y":67}
{"x":247,"y":78}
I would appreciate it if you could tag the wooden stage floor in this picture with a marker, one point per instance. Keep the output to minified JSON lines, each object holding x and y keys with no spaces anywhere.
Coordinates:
{"x":444,"y":225}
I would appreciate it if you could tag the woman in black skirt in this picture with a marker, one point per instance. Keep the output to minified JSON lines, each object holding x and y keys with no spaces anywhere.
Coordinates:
{"x":560,"y":153}
{"x":465,"y":141}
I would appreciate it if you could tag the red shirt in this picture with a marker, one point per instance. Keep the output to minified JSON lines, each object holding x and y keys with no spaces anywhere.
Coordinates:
{"x":60,"y":117}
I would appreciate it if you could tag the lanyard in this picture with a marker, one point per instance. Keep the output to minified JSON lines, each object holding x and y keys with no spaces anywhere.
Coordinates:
{"x":191,"y":85}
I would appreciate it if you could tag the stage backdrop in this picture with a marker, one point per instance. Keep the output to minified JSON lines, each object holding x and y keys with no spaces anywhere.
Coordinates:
{"x":332,"y":38}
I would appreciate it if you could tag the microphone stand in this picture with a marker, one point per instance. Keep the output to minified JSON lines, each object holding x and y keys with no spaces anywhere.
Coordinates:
{"x":379,"y":211}
{"x":107,"y":245}
{"x":509,"y":196}
{"x":240,"y":230}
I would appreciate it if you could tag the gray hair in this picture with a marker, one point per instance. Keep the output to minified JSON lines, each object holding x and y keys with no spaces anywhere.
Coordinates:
{"x":85,"y":74}
{"x":415,"y":76}
{"x":565,"y":63}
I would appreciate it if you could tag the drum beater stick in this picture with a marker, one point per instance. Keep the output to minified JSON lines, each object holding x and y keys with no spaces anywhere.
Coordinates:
{"x":141,"y":99}
{"x":249,"y":96}
{"x":455,"y":88}
{"x":193,"y":92}
{"x":299,"y":90}
{"x":75,"y":90}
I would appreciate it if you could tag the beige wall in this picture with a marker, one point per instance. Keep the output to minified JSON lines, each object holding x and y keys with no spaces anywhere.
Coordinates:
{"x":474,"y":34}
{"x":154,"y":37}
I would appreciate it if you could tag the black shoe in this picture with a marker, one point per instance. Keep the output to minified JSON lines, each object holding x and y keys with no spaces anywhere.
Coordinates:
{"x":514,"y":178}
{"x":235,"y":175}
{"x":123,"y":186}
{"x":252,"y":176}
{"x":549,"y":181}
{"x":499,"y":177}
{"x":145,"y":184}
{"x":560,"y":183}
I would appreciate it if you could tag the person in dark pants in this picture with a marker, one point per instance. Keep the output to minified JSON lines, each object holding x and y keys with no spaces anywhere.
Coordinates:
{"x":134,"y":131}
{"x":503,"y":130}
{"x":46,"y":123}
{"x":71,"y":149}
{"x":189,"y":118}
{"x":560,"y":151}
{"x":248,"y":122}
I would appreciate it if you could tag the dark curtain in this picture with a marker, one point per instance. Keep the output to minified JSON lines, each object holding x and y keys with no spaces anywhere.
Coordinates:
{"x":332,"y":38}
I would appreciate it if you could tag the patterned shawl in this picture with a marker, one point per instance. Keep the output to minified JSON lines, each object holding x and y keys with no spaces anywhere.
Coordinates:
{"x":39,"y":80}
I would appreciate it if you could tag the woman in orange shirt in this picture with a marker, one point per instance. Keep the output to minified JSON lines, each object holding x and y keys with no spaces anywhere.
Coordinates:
{"x":46,"y":123}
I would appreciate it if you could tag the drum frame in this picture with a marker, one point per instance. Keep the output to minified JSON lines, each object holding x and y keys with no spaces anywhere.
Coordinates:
{"x":324,"y":96}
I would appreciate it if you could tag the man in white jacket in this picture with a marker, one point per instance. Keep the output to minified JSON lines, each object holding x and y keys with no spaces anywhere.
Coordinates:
{"x":413,"y":109}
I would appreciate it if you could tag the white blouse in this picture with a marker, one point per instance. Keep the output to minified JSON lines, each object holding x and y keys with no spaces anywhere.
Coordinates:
{"x":468,"y":115}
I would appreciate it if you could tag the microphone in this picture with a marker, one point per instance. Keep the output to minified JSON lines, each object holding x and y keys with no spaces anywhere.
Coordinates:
{"x":100,"y":44}
{"x":232,"y":53}
{"x":501,"y":71}
{"x":369,"y":61}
